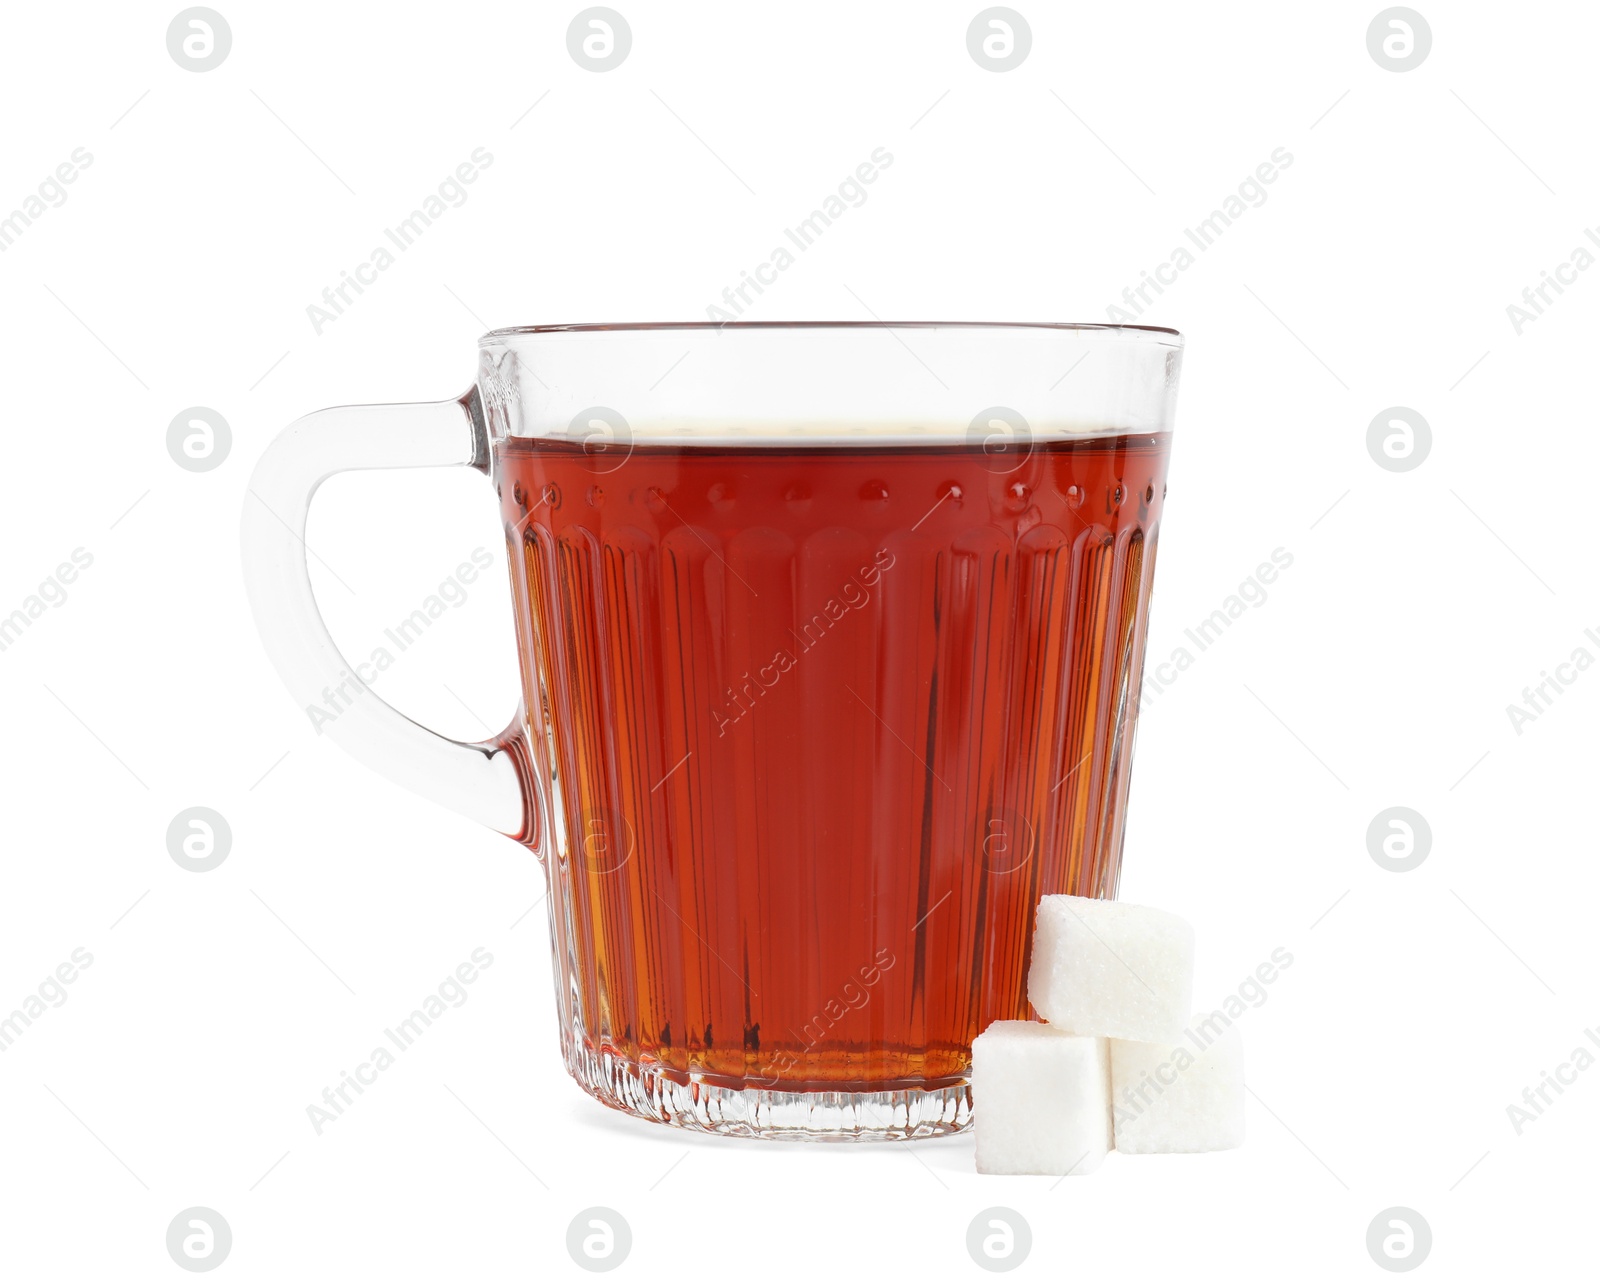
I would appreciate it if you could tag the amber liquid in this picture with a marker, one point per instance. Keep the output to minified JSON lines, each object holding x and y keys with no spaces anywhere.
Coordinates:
{"x":823,"y":724}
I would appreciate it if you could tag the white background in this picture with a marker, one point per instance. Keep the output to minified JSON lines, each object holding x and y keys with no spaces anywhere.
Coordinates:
{"x":1377,"y":673}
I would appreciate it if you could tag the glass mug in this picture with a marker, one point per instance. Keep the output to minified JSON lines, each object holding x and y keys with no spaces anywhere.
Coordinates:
{"x":831,"y":639}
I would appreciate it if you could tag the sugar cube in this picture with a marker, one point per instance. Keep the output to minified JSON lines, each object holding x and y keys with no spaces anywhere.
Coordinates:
{"x":1111,"y":969}
{"x":1039,"y":1100}
{"x":1187,"y":1096}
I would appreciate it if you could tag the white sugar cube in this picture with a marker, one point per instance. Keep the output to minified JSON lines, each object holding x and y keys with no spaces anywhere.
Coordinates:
{"x":1111,"y":969}
{"x":1039,"y":1100}
{"x":1187,"y":1096}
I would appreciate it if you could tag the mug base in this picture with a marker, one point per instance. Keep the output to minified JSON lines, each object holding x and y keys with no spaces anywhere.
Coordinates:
{"x":819,"y":1114}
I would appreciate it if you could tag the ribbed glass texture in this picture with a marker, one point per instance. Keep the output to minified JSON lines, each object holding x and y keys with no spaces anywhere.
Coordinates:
{"x":818,"y":725}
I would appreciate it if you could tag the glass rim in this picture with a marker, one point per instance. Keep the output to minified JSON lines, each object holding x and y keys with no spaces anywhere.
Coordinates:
{"x":1136,"y":332}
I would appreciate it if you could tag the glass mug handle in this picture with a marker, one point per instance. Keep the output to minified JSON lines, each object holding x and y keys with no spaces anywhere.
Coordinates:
{"x":489,"y":781}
